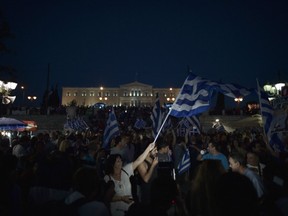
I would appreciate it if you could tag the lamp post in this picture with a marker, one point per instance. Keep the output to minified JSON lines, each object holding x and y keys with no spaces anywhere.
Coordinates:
{"x":23,"y":94}
{"x":31,"y":98}
{"x":238,"y":100}
{"x":101,"y":93}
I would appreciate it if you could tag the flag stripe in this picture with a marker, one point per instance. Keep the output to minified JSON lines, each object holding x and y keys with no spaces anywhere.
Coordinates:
{"x":111,"y":129}
{"x":156,"y":117}
{"x":195,"y":95}
{"x":267,"y":112}
{"x":185,"y":163}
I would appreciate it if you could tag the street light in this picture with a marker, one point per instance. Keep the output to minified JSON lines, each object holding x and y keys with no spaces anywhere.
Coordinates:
{"x":238,"y":100}
{"x":31,"y":98}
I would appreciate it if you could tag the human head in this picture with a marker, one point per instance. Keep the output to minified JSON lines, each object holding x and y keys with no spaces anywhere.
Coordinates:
{"x":213,"y":147}
{"x":112,"y":161}
{"x":236,"y":161}
{"x":121,"y":141}
{"x":153,"y":153}
{"x":204,"y":186}
{"x":64,"y":145}
{"x":252,"y":158}
{"x":162,"y":146}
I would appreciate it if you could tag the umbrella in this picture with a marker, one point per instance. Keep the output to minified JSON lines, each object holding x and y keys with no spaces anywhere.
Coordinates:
{"x":11,"y":124}
{"x":31,"y":126}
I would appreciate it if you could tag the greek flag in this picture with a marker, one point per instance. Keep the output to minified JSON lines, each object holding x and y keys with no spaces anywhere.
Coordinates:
{"x":139,"y":123}
{"x":156,"y":117}
{"x":196,"y":93}
{"x":187,"y":123}
{"x":111,"y":129}
{"x":185,"y":163}
{"x":267,"y":113}
{"x":77,"y":124}
{"x":195,"y":122}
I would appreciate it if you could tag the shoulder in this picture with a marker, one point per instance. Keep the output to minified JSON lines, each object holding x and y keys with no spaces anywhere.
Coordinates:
{"x":128,"y":169}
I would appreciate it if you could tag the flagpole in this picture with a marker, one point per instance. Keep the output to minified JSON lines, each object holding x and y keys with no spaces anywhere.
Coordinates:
{"x":169,"y":112}
{"x":263,"y":126}
{"x":259,"y":98}
{"x":162,"y":125}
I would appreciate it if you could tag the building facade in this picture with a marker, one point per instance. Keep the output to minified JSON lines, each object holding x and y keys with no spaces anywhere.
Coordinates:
{"x":131,"y":94}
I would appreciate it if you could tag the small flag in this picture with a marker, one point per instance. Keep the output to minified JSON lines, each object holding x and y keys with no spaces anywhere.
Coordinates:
{"x":185,"y":163}
{"x":156,"y":117}
{"x":111,"y":129}
{"x":188,"y":122}
{"x":268,"y":120}
{"x":77,"y":124}
{"x":139,"y":123}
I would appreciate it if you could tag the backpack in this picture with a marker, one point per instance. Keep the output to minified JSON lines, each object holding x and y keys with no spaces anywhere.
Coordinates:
{"x":59,"y":208}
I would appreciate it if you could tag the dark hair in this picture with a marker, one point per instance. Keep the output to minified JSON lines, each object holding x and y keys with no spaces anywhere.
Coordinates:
{"x":236,"y":195}
{"x":216,"y":145}
{"x":236,"y":156}
{"x":109,"y":167}
{"x":160,"y":143}
{"x":117,"y":140}
{"x":203,"y":187}
{"x":86,"y":181}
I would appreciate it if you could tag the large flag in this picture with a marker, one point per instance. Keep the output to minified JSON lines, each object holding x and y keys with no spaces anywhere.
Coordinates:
{"x":111,"y":129}
{"x":156,"y":117}
{"x":185,"y":163}
{"x":196,"y":93}
{"x":268,"y":120}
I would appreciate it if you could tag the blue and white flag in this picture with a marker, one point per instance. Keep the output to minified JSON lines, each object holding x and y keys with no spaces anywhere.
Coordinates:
{"x":185,"y":163}
{"x":195,"y":122}
{"x":196,"y":93}
{"x":139,"y":123}
{"x":76,"y":124}
{"x":168,"y":123}
{"x":268,"y":120}
{"x":156,"y":117}
{"x":111,"y":129}
{"x":187,"y":123}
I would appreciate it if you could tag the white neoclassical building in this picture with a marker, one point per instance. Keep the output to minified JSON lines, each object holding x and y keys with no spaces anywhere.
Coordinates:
{"x":130,"y":94}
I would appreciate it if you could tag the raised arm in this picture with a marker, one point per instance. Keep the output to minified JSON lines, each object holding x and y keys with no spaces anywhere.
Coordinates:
{"x":142,"y":157}
{"x":146,"y":173}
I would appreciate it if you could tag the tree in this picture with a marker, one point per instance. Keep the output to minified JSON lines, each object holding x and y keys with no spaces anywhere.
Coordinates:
{"x":6,"y":72}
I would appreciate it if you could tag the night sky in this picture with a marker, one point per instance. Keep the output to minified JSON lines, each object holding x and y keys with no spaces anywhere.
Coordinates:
{"x":90,"y":43}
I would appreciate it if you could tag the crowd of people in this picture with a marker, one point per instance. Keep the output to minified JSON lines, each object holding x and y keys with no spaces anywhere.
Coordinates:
{"x":229,"y":174}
